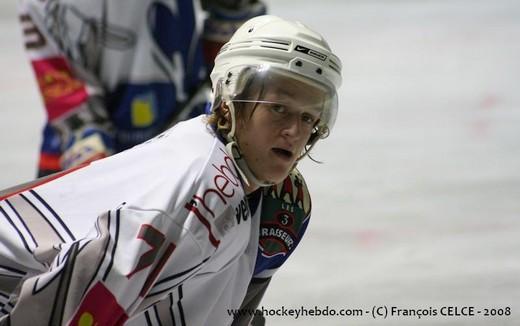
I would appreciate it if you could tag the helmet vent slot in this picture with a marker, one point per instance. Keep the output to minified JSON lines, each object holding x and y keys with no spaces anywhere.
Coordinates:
{"x":272,"y":47}
{"x":278,"y":45}
{"x":334,"y":66}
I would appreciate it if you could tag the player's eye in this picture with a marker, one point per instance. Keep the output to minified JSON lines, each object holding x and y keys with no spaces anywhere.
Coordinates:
{"x":309,"y":119}
{"x":278,"y":108}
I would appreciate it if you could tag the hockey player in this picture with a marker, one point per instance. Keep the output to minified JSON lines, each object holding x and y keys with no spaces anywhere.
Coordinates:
{"x":174,"y":225}
{"x":114,"y":73}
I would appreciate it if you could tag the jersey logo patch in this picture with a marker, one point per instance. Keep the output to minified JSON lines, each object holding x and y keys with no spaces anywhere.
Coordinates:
{"x":285,"y":208}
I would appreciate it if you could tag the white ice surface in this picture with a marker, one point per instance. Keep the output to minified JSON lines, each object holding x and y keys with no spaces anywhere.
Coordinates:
{"x":418,"y":202}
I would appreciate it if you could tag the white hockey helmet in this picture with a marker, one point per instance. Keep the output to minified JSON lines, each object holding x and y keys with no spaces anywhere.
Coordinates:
{"x":264,"y":54}
{"x":267,"y":46}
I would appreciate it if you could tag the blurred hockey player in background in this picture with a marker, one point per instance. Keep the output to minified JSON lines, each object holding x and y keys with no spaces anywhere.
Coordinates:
{"x":113,"y":74}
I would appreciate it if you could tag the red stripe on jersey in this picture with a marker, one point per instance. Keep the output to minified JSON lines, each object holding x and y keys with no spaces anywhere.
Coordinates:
{"x":99,"y":307}
{"x":205,"y":222}
{"x":60,"y":89}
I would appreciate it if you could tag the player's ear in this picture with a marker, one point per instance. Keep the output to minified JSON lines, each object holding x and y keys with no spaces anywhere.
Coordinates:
{"x":224,"y":120}
{"x":225,"y":110}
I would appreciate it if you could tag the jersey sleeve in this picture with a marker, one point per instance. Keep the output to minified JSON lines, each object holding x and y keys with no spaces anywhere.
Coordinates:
{"x":117,"y":263}
{"x":161,"y":221}
{"x":73,"y":103}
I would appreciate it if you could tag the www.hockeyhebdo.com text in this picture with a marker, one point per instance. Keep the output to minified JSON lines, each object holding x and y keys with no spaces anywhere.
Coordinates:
{"x":381,"y":312}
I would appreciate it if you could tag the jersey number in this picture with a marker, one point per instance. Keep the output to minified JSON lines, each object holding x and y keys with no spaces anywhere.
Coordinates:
{"x":155,"y":239}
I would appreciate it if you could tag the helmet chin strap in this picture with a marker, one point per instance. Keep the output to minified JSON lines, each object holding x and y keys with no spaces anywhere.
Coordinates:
{"x":232,"y":147}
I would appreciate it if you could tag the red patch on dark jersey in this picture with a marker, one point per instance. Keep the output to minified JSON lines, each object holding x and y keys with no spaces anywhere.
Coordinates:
{"x":60,"y":89}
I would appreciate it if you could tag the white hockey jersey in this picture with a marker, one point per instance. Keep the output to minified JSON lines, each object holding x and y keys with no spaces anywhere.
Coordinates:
{"x":165,"y":225}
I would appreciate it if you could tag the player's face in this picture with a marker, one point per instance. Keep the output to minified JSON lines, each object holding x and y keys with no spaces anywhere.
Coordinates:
{"x":273,"y":131}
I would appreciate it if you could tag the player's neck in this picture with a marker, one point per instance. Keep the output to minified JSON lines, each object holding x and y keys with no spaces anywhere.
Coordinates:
{"x":250,"y":188}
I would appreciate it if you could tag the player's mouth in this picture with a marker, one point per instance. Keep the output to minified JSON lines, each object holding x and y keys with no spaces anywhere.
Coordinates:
{"x":284,"y":154}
